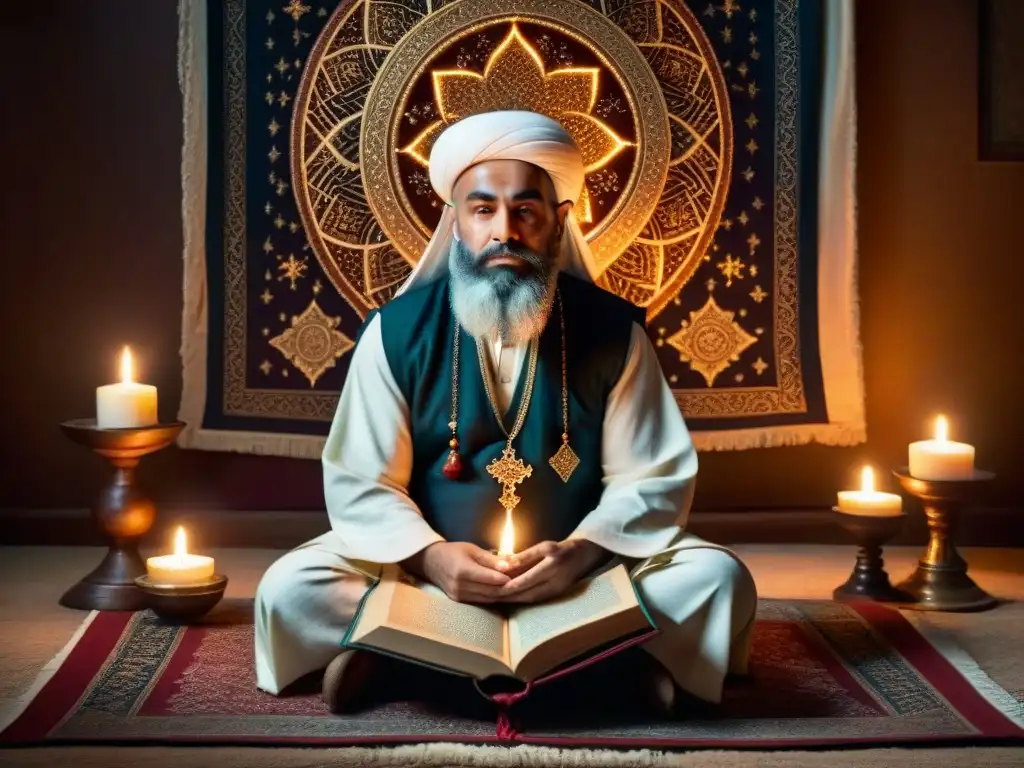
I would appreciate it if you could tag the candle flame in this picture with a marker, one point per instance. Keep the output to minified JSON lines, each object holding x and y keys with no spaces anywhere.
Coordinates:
{"x":867,"y":479}
{"x":126,"y":366}
{"x":941,"y":429}
{"x":508,"y":542}
{"x":180,"y":550}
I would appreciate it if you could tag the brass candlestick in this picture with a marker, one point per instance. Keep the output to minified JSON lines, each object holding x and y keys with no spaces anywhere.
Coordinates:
{"x":940,"y":581}
{"x":122,"y":512}
{"x":869,"y":580}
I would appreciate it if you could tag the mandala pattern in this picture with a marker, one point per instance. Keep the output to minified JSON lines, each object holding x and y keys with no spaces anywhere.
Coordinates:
{"x":636,"y":84}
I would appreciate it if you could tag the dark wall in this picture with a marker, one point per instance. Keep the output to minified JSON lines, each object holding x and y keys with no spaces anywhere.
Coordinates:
{"x":92,"y":257}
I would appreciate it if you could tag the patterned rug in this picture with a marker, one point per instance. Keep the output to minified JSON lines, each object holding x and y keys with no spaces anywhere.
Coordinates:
{"x":719,"y":144}
{"x":822,"y":674}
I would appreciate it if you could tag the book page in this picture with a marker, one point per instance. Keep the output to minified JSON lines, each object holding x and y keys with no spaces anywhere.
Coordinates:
{"x":426,"y":611}
{"x":592,"y":600}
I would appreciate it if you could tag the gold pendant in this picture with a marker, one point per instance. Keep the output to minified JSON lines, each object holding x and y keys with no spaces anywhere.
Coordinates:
{"x":564,"y":462}
{"x":509,"y":472}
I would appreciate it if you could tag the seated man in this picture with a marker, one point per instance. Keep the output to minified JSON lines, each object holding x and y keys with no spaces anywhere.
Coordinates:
{"x":499,"y":349}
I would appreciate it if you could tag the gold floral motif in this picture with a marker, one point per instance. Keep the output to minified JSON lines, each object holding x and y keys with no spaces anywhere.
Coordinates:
{"x":711,"y":341}
{"x":514,"y":77}
{"x":312,"y":343}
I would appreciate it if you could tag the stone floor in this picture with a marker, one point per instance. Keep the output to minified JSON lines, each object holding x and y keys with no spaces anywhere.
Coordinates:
{"x":33,"y":627}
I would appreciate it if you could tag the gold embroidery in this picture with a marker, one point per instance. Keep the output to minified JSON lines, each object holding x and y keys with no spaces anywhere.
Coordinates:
{"x":514,"y":77}
{"x":367,"y":271}
{"x":711,"y":341}
{"x":313,"y":344}
{"x":291,"y":269}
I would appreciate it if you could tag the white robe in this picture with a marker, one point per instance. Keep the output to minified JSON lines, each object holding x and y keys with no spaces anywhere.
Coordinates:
{"x":700,"y":594}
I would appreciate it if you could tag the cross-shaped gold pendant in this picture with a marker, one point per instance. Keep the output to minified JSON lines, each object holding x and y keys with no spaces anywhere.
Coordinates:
{"x":509,"y":472}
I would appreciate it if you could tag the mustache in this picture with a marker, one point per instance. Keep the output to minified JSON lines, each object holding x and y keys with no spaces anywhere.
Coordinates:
{"x":513,"y":249}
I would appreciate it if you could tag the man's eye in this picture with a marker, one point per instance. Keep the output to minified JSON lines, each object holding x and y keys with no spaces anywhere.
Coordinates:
{"x":483,"y":209}
{"x":526,"y":211}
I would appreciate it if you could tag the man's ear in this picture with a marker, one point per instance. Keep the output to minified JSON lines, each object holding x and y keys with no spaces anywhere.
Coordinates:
{"x":562,"y":211}
{"x":455,"y":229}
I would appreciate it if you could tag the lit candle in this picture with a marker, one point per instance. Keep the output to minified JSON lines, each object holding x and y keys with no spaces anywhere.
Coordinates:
{"x":127,"y":403}
{"x":868,"y":501}
{"x":506,"y":549}
{"x":941,"y":458}
{"x":180,"y":569}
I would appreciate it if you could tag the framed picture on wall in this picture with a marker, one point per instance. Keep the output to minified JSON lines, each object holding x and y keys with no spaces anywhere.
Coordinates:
{"x":1000,"y":84}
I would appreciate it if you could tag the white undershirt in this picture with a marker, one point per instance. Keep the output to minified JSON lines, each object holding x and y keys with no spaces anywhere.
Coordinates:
{"x":507,"y":363}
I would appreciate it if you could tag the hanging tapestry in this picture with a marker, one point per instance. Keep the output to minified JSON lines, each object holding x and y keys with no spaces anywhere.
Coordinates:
{"x":718,"y":139}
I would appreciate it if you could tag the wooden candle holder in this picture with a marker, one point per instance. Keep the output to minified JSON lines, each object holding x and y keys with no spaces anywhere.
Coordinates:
{"x":122,"y":512}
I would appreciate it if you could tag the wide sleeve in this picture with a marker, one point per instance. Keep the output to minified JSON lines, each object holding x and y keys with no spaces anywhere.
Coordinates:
{"x":649,"y":462}
{"x":367,"y":462}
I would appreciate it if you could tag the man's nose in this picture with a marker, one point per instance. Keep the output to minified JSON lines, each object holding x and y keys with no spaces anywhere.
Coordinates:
{"x":501,"y":227}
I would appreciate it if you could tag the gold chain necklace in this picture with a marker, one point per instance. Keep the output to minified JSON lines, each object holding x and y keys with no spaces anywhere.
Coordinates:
{"x":509,"y":471}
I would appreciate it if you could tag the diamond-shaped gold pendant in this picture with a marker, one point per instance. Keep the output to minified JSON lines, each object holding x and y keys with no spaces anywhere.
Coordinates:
{"x":564,"y":462}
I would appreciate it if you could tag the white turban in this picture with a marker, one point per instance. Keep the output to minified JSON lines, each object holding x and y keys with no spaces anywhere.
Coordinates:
{"x":505,"y":135}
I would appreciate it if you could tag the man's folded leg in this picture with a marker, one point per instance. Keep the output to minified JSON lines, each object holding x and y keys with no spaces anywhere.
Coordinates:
{"x":304,"y":605}
{"x":704,"y":600}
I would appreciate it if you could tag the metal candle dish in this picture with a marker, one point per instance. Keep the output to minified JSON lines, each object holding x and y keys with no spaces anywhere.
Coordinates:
{"x":182,"y":604}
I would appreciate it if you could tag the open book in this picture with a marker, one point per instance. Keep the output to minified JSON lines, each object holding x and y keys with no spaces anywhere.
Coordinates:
{"x":404,"y":617}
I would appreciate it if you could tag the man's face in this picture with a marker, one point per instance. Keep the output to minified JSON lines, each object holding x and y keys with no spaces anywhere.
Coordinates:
{"x":505,"y":265}
{"x":508,"y":203}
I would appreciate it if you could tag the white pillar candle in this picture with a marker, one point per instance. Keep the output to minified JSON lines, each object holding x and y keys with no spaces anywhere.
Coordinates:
{"x":127,"y":403}
{"x":181,"y":568}
{"x":941,"y":458}
{"x":868,"y":501}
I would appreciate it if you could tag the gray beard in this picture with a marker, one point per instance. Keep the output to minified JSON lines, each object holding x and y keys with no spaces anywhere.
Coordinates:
{"x":497,"y":302}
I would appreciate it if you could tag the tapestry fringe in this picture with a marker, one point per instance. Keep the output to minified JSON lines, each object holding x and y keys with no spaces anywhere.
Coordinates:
{"x":943,"y":642}
{"x":18,"y":705}
{"x":258,"y":443}
{"x":311,"y":447}
{"x":834,"y":435}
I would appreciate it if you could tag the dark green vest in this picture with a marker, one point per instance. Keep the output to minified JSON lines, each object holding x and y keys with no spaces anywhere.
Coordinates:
{"x":417,"y":330}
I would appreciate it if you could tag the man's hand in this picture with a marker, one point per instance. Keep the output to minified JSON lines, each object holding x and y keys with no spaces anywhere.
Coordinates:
{"x":549,"y":569}
{"x":466,"y":573}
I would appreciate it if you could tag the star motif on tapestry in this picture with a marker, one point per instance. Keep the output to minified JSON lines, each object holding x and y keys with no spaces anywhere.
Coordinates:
{"x":312,"y":343}
{"x":711,"y":341}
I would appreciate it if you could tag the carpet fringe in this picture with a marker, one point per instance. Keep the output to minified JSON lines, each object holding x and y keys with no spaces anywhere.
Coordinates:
{"x":942,"y":641}
{"x":20,"y":703}
{"x":453,"y":755}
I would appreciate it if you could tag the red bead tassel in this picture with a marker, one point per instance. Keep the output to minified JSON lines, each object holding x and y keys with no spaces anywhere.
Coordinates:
{"x":453,"y":466}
